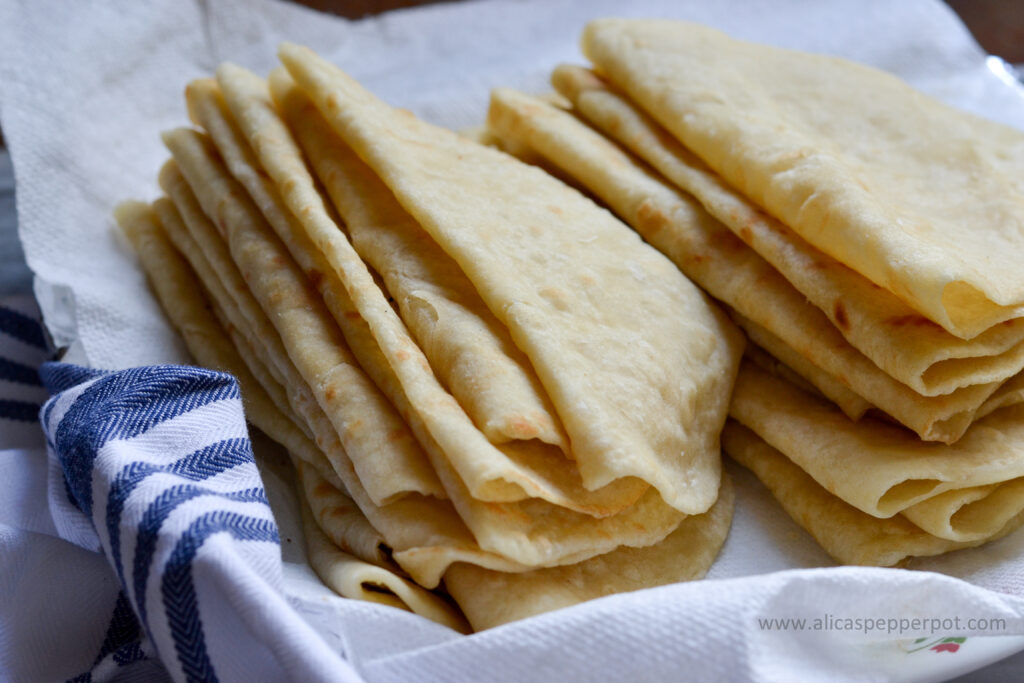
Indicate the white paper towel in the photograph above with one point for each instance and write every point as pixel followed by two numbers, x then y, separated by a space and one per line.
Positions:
pixel 85 89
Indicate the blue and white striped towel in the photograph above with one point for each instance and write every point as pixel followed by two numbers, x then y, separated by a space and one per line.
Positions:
pixel 153 468
pixel 23 349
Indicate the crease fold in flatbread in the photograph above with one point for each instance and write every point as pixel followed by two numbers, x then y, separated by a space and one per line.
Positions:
pixel 716 259
pixel 906 346
pixel 879 176
pixel 624 418
pixel 483 378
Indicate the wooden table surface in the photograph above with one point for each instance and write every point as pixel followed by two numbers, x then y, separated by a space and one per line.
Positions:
pixel 997 24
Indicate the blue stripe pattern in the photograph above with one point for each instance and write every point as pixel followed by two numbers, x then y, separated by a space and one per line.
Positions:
pixel 122 642
pixel 122 405
pixel 18 372
pixel 124 632
pixel 20 411
pixel 102 435
pixel 179 594
pixel 206 462
pixel 157 513
pixel 22 327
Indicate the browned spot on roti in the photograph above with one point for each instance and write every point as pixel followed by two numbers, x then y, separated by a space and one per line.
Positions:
pixel 839 315
pixel 911 320
pixel 352 315
pixel 332 104
pixel 523 429
pixel 724 239
pixel 650 218
pixel 330 393
pixel 397 434
pixel 316 278
pixel 746 234
pixel 323 489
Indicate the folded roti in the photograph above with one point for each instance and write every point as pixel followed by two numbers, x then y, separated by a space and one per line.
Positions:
pixel 906 346
pixel 389 460
pixel 188 309
pixel 878 467
pixel 925 201
pixel 522 470
pixel 715 258
pixel 358 579
pixel 632 355
pixel 426 533
pixel 849 535
pixel 466 345
pixel 489 598
pixel 970 514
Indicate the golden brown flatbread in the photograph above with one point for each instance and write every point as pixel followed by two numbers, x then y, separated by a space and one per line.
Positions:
pixel 623 363
pixel 879 176
pixel 714 257
pixel 901 342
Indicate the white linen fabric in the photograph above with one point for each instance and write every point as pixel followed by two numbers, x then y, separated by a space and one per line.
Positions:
pixel 85 89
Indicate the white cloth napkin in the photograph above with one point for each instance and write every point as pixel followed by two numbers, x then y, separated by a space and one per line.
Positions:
pixel 85 89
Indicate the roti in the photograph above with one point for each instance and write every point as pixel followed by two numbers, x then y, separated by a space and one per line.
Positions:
pixel 866 169
pixel 623 363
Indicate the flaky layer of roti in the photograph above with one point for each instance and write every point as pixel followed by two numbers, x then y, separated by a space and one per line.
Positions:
pixel 849 535
pixel 315 240
pixel 356 578
pixel 923 200
pixel 715 258
pixel 633 358
pixel 775 357
pixel 901 342
pixel 389 460
pixel 878 467
pixel 489 598
pixel 426 533
pixel 466 345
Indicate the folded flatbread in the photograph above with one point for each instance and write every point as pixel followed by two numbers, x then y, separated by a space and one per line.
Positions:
pixel 905 345
pixel 489 598
pixel 849 535
pixel 924 200
pixel 715 258
pixel 878 467
pixel 497 474
pixel 633 357
pixel 425 533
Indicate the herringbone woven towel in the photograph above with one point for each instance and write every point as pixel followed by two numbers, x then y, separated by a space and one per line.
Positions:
pixel 153 467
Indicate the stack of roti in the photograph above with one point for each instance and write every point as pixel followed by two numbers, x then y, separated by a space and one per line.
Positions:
pixel 867 238
pixel 493 391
